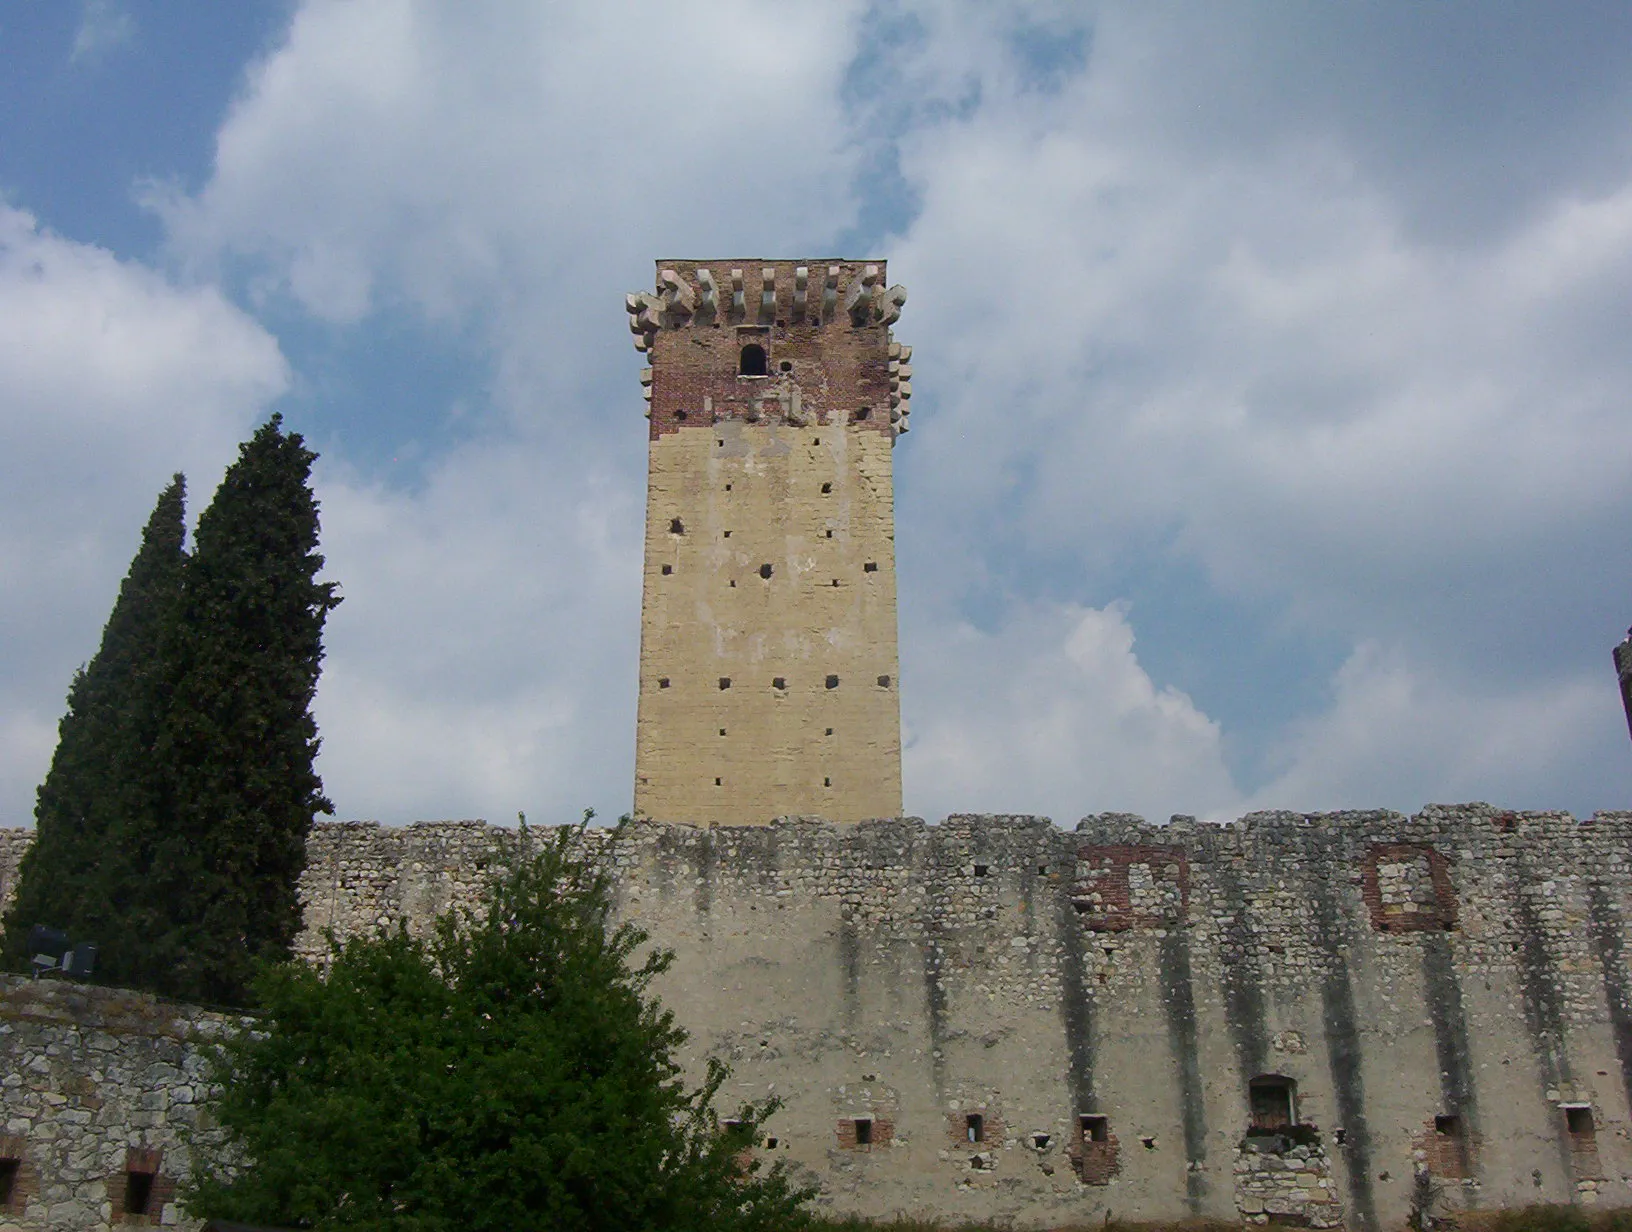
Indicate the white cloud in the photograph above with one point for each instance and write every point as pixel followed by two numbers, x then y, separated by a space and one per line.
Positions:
pixel 103 26
pixel 1398 734
pixel 1053 714
pixel 1216 328
pixel 111 379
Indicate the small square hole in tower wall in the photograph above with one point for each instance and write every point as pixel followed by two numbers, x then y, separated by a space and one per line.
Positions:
pixel 725 682
pixel 1577 1119
pixel 676 526
pixel 832 682
pixel 765 572
pixel 1095 1128
pixel 864 1131
pixel 667 569
pixel 826 488
pixel 870 567
pixel 662 682
pixel 883 682
pixel 779 682
pixel 865 412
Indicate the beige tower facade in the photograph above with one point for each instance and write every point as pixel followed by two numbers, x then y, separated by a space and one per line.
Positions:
pixel 769 680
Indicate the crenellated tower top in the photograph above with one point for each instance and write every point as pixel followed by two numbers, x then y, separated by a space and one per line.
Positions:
pixel 779 305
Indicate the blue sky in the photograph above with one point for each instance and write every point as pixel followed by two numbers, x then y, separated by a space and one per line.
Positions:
pixel 1271 446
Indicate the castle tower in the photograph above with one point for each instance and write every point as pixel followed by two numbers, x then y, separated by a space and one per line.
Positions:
pixel 768 669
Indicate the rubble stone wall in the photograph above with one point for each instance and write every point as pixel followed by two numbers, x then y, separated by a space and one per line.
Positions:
pixel 1446 993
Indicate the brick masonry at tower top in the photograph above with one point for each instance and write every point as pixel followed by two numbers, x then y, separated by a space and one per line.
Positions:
pixel 769 672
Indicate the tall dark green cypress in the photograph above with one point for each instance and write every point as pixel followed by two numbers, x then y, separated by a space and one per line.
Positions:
pixel 71 876
pixel 226 845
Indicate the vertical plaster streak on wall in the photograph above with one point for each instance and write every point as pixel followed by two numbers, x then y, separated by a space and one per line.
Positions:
pixel 1344 1050
pixel 1243 980
pixel 1076 1004
pixel 1543 1008
pixel 1443 991
pixel 1179 1004
pixel 1608 937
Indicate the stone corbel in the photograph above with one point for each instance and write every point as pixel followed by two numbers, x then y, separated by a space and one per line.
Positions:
pixel 709 307
pixel 860 302
pixel 739 303
pixel 767 296
pixel 645 317
pixel 679 300
pixel 830 294
pixel 801 279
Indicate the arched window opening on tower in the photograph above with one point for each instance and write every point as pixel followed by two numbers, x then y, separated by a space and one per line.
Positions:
pixel 752 362
pixel 1272 1102
pixel 676 526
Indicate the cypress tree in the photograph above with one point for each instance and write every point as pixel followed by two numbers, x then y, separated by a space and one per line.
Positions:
pixel 102 768
pixel 225 846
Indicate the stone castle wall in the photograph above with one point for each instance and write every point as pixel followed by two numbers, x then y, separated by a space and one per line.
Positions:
pixel 1290 1016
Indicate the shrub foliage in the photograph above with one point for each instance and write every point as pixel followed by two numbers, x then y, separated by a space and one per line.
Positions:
pixel 512 1070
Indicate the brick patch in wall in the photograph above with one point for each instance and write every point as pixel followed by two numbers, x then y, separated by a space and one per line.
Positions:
pixel 992 1128
pixel 881 1132
pixel 22 1181
pixel 1095 1160
pixel 1407 888
pixel 1127 886
pixel 1447 1149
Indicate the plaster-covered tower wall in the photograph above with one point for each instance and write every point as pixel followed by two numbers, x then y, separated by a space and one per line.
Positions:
pixel 768 665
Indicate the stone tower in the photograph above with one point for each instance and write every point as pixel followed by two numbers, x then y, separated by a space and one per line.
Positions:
pixel 768 669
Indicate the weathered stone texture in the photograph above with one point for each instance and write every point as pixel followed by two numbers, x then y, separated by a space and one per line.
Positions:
pixel 769 673
pixel 907 975
pixel 100 1086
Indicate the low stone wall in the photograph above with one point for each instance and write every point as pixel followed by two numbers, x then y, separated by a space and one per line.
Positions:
pixel 1445 994
pixel 101 1088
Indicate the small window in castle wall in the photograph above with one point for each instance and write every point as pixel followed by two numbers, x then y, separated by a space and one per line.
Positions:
pixel 138 1192
pixel 8 1181
pixel 1448 1126
pixel 826 488
pixel 1040 1142
pixel 718 783
pixel 662 682
pixel 982 869
pixel 830 731
pixel 725 682
pixel 832 682
pixel 676 526
pixel 765 572
pixel 883 682
pixel 974 1127
pixel 864 1131
pixel 865 412
pixel 680 415
pixel 1271 1100
pixel 752 361
pixel 830 534
pixel 827 782
pixel 1578 1120
pixel 779 682
pixel 667 569
pixel 786 365
pixel 870 567
pixel 1095 1128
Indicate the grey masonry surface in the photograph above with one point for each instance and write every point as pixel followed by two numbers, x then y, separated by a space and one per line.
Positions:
pixel 1466 964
